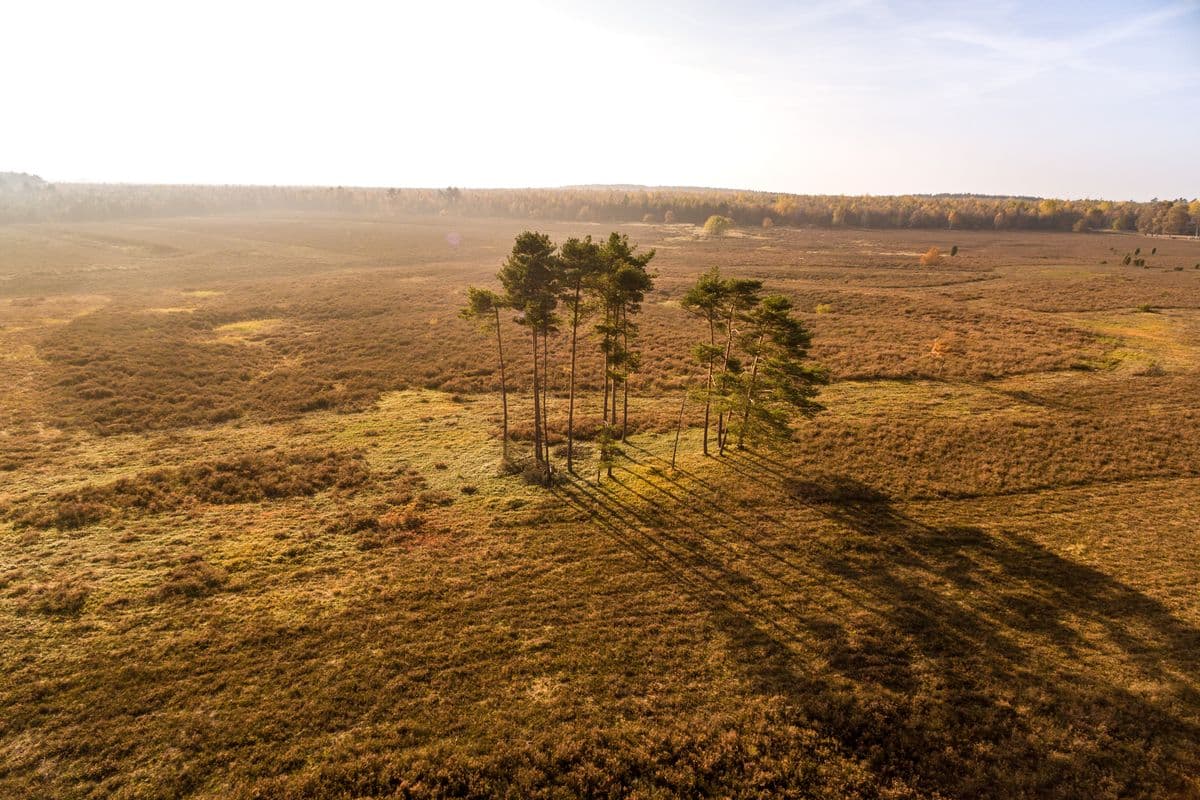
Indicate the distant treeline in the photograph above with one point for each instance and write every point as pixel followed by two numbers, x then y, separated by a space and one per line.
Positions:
pixel 25 198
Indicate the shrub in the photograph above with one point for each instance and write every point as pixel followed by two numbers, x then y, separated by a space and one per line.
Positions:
pixel 75 514
pixel 582 451
pixel 535 473
pixel 824 308
pixel 62 597
pixel 248 479
pixel 194 578
pixel 432 498
pixel 401 521
pixel 390 527
pixel 716 225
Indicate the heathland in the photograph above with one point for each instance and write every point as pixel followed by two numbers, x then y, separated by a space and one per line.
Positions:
pixel 256 541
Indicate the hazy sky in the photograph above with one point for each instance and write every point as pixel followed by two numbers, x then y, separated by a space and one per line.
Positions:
pixel 1096 99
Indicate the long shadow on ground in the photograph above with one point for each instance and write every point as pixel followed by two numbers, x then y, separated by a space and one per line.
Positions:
pixel 952 660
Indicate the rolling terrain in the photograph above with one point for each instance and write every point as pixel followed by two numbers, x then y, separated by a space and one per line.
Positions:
pixel 255 540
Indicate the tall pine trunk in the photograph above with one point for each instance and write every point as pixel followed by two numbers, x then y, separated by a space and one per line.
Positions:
pixel 537 410
pixel 679 427
pixel 616 371
pixel 545 392
pixel 721 433
pixel 571 390
pixel 606 342
pixel 503 387
pixel 616 368
pixel 749 397
pixel 712 342
pixel 625 377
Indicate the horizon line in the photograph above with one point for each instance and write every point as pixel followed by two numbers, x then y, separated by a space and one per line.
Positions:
pixel 579 187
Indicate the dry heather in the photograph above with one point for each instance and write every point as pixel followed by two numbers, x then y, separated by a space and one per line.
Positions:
pixel 256 542
pixel 248 479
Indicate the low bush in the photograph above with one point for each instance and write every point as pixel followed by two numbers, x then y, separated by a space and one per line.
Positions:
pixel 377 530
pixel 191 579
pixel 716 225
pixel 248 479
pixel 431 498
pixel 62 597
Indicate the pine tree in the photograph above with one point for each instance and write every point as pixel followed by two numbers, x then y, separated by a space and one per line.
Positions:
pixel 621 288
pixel 780 383
pixel 580 263
pixel 740 295
pixel 529 276
pixel 706 300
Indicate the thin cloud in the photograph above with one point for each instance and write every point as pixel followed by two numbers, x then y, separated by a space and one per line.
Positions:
pixel 1027 58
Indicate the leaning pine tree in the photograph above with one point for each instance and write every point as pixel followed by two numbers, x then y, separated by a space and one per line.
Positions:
pixel 484 307
pixel 780 382
pixel 739 296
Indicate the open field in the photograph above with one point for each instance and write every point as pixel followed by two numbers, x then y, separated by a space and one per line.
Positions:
pixel 254 540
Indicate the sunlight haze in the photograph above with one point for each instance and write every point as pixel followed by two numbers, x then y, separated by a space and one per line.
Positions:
pixel 1071 99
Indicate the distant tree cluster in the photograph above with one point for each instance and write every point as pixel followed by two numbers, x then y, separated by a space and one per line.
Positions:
pixel 758 378
pixel 606 280
pixel 753 352
pixel 25 198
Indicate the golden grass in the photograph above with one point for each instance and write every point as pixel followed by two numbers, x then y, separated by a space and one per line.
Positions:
pixel 948 585
pixel 727 610
pixel 1168 338
pixel 248 331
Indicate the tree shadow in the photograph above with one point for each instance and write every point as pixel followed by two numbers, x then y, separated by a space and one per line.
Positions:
pixel 952 659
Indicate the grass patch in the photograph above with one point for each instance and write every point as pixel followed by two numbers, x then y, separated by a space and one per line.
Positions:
pixel 249 479
pixel 192 579
pixel 973 576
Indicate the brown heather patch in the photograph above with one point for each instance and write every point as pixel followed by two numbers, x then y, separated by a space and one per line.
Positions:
pixel 63 596
pixel 925 440
pixel 949 585
pixel 248 479
pixel 289 343
pixel 193 578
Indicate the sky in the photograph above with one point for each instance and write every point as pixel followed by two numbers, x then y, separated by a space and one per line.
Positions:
pixel 1064 99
